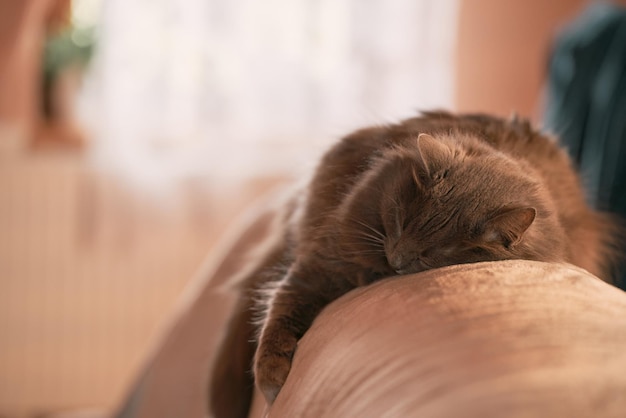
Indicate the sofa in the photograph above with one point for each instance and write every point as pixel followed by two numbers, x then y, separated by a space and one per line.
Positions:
pixel 504 339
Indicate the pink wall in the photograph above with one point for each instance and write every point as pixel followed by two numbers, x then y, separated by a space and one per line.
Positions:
pixel 502 50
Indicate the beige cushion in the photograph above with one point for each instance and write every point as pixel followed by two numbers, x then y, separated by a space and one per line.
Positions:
pixel 505 339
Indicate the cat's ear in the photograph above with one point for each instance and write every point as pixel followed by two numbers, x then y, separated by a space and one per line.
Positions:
pixel 432 153
pixel 508 226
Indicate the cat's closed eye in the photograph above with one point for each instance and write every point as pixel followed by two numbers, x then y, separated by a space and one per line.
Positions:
pixel 451 253
pixel 478 251
pixel 427 263
pixel 448 251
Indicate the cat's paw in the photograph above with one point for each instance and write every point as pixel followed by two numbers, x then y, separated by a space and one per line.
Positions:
pixel 270 375
pixel 272 364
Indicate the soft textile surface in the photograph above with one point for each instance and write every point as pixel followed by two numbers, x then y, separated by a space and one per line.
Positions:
pixel 505 339
pixel 510 338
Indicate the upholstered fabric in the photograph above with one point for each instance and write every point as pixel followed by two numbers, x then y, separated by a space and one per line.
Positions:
pixel 505 339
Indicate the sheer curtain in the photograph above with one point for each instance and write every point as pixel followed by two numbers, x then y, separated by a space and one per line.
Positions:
pixel 234 89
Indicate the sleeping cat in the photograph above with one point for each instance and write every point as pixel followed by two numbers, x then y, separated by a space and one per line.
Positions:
pixel 432 191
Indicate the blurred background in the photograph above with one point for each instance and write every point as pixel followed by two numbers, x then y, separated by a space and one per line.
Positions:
pixel 133 132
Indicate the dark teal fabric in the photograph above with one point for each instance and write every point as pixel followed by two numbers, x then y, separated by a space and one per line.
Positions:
pixel 586 103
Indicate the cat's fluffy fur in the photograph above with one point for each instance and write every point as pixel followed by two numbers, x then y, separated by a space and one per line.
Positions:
pixel 431 191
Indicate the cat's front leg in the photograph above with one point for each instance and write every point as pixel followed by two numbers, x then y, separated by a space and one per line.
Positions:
pixel 291 311
pixel 273 359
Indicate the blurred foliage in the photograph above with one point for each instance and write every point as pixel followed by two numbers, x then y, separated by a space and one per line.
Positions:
pixel 73 46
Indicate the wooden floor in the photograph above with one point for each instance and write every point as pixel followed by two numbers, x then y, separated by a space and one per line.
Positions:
pixel 88 271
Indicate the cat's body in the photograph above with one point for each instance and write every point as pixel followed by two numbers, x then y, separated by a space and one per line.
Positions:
pixel 432 191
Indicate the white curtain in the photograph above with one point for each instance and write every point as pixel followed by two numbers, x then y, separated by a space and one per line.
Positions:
pixel 237 88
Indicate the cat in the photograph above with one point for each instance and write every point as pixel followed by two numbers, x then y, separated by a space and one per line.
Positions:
pixel 435 190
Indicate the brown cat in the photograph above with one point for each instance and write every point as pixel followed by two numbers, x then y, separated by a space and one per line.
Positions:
pixel 432 191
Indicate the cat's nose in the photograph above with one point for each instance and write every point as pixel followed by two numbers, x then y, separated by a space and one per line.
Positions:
pixel 395 261
pixel 399 263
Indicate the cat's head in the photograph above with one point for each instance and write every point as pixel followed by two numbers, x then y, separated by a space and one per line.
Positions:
pixel 438 201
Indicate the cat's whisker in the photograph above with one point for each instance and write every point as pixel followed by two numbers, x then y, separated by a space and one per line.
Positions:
pixel 362 252
pixel 371 228
pixel 368 248
pixel 370 237
pixel 358 239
